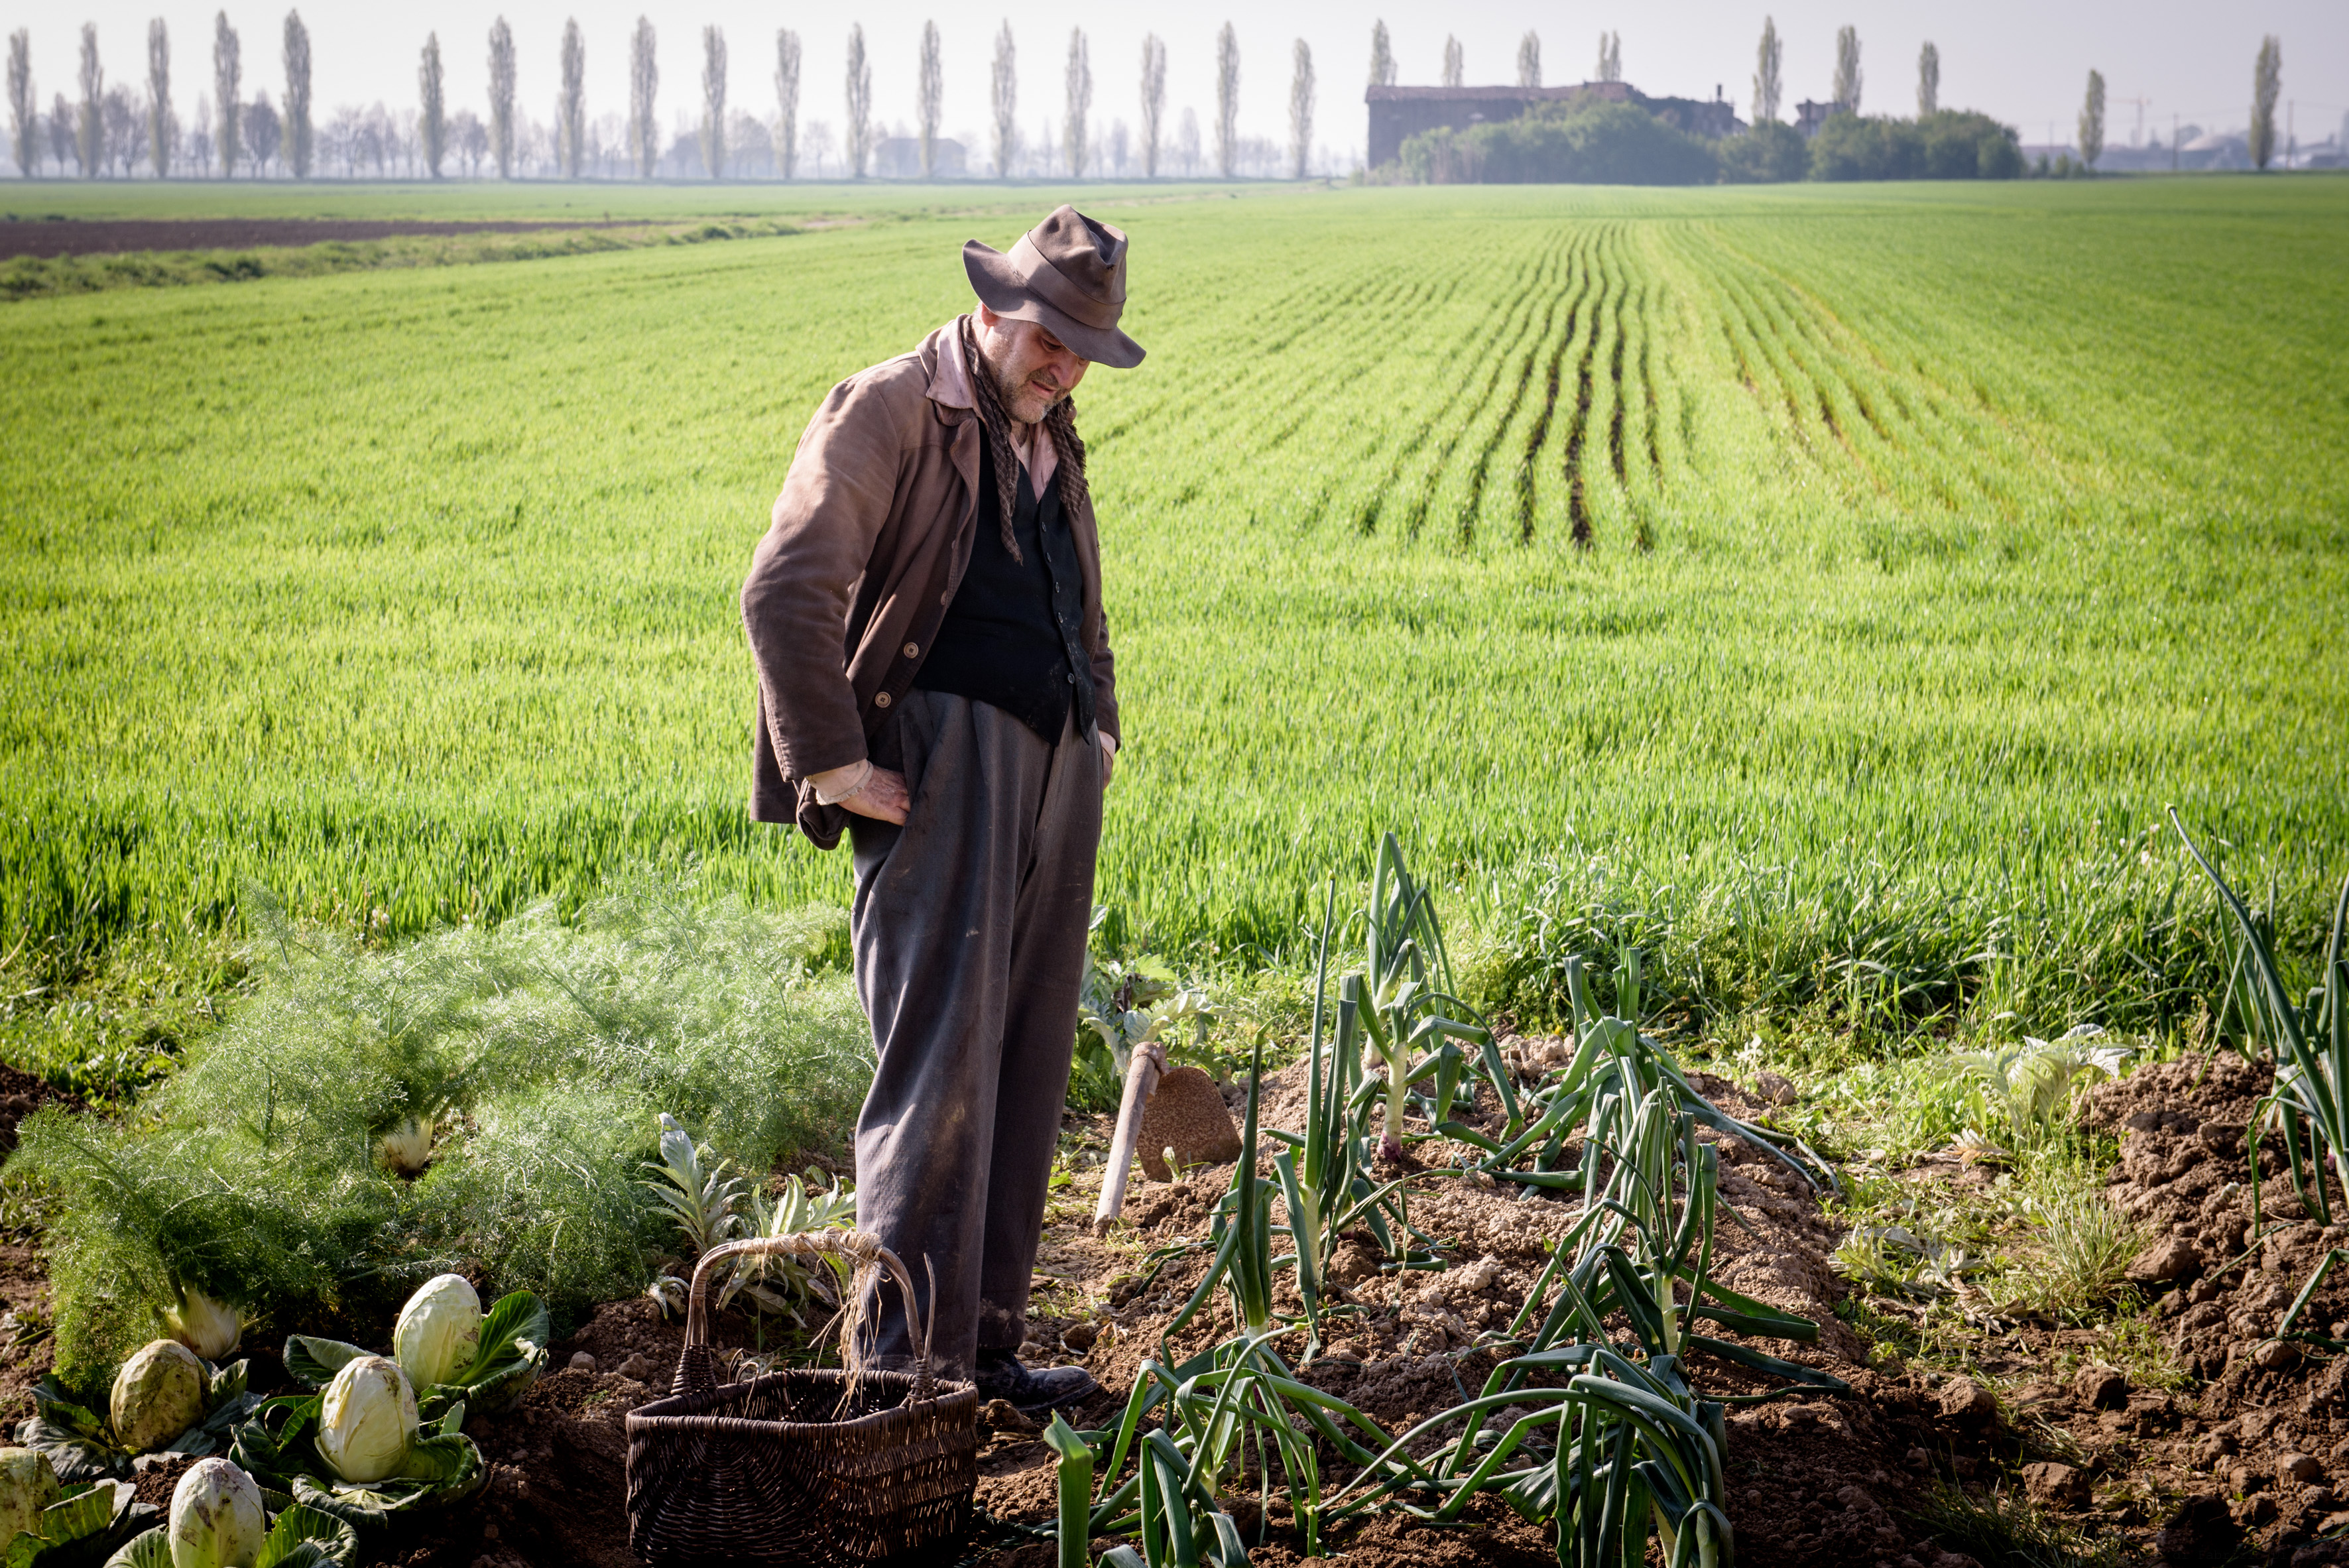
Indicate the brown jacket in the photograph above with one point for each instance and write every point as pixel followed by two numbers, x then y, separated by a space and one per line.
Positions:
pixel 869 541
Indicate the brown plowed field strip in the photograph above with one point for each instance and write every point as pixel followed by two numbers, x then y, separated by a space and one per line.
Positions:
pixel 98 236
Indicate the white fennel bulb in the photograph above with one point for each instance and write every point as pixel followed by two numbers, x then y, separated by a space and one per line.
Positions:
pixel 206 1327
pixel 157 1394
pixel 216 1518
pixel 407 1149
pixel 367 1420
pixel 438 1331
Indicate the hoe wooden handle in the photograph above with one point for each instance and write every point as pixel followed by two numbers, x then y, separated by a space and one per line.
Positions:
pixel 1142 1073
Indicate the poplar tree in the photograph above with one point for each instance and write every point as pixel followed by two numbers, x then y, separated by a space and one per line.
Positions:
pixel 1301 110
pixel 644 83
pixel 1383 60
pixel 1454 62
pixel 1003 90
pixel 1610 56
pixel 1081 102
pixel 1153 101
pixel 571 104
pixel 89 130
pixel 1228 98
pixel 24 104
pixel 1847 75
pixel 228 72
pixel 933 93
pixel 713 102
pixel 432 120
pixel 859 101
pixel 163 130
pixel 787 99
pixel 1766 61
pixel 1529 60
pixel 1929 80
pixel 2092 120
pixel 298 95
pixel 2267 85
pixel 501 97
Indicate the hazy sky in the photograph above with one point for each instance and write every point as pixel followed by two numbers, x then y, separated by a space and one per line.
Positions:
pixel 2025 63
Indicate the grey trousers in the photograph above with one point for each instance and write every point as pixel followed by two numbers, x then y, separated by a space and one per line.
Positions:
pixel 970 928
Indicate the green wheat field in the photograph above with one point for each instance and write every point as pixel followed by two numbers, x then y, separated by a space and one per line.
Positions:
pixel 1841 581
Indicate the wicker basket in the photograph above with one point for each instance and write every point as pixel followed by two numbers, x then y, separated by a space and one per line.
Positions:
pixel 805 1468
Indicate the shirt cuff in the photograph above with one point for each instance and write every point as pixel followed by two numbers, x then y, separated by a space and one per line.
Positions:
pixel 834 785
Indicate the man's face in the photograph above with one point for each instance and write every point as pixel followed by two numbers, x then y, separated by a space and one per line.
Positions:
pixel 1033 369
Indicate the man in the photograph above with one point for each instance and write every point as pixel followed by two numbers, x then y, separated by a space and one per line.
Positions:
pixel 937 531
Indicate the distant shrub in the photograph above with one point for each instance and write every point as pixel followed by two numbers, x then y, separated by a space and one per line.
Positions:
pixel 1578 143
pixel 1770 153
pixel 1954 144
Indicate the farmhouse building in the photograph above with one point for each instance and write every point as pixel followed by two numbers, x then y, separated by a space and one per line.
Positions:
pixel 1398 114
pixel 1809 116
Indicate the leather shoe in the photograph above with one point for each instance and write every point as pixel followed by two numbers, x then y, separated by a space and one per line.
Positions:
pixel 1032 1391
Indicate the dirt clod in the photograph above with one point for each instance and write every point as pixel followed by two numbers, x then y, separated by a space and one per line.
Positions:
pixel 2055 1485
pixel 2277 1355
pixel 1967 1401
pixel 2171 1259
pixel 1186 1113
pixel 2100 1388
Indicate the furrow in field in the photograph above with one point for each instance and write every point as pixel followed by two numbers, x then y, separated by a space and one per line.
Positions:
pixel 1578 502
pixel 1807 411
pixel 1537 438
pixel 1897 433
pixel 1651 309
pixel 1488 330
pixel 1509 325
pixel 1545 288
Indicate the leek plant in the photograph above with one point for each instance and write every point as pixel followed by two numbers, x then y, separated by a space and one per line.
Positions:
pixel 2307 1037
pixel 2308 1041
pixel 1623 1453
pixel 1406 992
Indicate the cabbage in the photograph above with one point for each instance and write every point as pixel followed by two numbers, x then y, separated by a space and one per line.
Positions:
pixel 216 1518
pixel 367 1421
pixel 157 1394
pixel 29 1483
pixel 206 1327
pixel 438 1331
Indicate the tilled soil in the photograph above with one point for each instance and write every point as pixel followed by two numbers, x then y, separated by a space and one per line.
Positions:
pixel 22 236
pixel 1816 1480
pixel 2239 1466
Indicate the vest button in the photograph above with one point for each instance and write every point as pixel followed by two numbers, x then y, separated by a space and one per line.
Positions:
pixel 913 649
pixel 881 699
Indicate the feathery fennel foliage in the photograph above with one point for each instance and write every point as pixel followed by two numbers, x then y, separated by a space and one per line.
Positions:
pixel 550 1051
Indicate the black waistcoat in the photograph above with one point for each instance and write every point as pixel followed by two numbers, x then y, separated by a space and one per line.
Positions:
pixel 1010 637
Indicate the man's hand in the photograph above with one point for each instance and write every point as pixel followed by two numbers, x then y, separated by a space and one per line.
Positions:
pixel 1108 758
pixel 884 797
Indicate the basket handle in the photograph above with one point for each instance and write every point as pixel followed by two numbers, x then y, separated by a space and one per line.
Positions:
pixel 694 1372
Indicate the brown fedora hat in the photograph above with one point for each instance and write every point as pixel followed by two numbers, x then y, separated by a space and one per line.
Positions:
pixel 1066 275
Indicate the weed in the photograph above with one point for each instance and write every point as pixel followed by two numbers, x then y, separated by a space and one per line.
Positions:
pixel 2003 1531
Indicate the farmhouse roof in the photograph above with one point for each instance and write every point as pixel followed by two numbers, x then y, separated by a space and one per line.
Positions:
pixel 1492 95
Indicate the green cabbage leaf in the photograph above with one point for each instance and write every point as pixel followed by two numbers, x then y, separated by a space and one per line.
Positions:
pixel 301 1537
pixel 279 1448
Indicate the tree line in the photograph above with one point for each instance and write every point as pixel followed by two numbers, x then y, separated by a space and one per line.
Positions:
pixel 120 130
pixel 1599 142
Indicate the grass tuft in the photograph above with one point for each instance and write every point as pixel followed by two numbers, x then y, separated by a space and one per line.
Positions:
pixel 2004 1531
